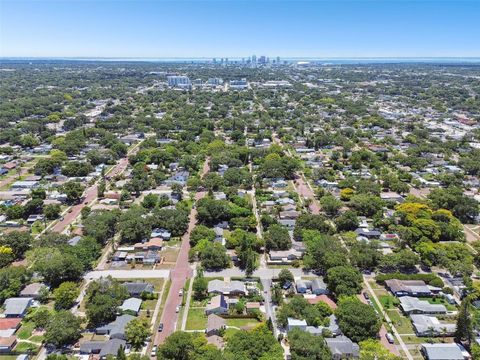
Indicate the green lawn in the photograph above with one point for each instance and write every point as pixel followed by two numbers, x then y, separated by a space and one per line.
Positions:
pixel 388 301
pixel 23 347
pixel 239 323
pixel 441 301
pixel 25 331
pixel 196 319
pixel 401 323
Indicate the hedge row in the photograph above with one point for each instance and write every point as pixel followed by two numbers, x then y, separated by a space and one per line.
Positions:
pixel 430 279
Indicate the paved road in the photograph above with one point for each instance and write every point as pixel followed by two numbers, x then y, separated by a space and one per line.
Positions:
pixel 128 274
pixel 179 274
pixel 261 273
pixel 383 331
pixel 387 318
pixel 305 191
pixel 269 309
pixel 89 196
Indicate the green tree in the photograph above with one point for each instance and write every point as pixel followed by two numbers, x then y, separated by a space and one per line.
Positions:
pixel 214 257
pixel 464 329
pixel 330 204
pixel 374 350
pixel 344 280
pixel 6 255
pixel 277 238
pixel 73 190
pixel 18 241
pixel 66 295
pixel 348 221
pixel 306 346
pixel 62 329
pixel 284 276
pixel 357 320
pixel 136 332
pixel 52 211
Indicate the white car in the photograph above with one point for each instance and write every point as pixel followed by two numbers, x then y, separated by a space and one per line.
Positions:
pixel 177 309
pixel 154 351
pixel 180 293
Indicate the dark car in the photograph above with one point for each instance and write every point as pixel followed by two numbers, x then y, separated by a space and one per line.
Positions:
pixel 160 327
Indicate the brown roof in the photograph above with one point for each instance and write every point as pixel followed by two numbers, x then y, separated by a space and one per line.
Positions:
pixel 10 165
pixel 31 289
pixel 9 323
pixel 8 341
pixel 215 340
pixel 252 305
pixel 215 322
pixel 152 242
pixel 325 299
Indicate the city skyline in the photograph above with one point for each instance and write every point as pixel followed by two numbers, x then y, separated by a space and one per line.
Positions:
pixel 207 29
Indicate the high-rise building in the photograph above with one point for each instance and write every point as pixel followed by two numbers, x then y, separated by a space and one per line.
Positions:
pixel 179 81
pixel 278 60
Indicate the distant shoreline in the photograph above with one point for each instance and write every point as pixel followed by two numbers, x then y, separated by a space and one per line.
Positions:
pixel 319 60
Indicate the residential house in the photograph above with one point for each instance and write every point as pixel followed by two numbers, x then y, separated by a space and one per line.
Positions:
pixel 7 344
pixel 154 244
pixel 102 348
pixel 215 325
pixel 410 288
pixel 33 290
pixel 131 306
pixel 342 347
pixel 431 326
pixel 319 287
pixel 412 305
pixel 217 305
pixel 161 233
pixel 115 329
pixel 332 328
pixel 296 323
pixel 9 326
pixel 74 240
pixel 302 286
pixel 233 288
pixel 284 256
pixel 444 351
pixel 138 288
pixel 16 307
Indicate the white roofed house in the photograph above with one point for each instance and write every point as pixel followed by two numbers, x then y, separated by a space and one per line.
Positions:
pixel 430 326
pixel 412 305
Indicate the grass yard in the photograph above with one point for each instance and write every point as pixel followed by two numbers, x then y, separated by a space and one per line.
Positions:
pixel 239 323
pixel 25 330
pixel 196 319
pixel 23 347
pixel 441 301
pixel 401 323
pixel 388 301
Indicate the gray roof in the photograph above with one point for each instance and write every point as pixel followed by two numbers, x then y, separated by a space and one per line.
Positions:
pixel 223 287
pixel 450 351
pixel 116 328
pixel 410 304
pixel 17 306
pixel 342 345
pixel 111 347
pixel 426 324
pixel 138 287
pixel 332 327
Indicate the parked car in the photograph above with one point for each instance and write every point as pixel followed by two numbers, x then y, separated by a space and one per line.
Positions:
pixel 160 327
pixel 180 293
pixel 154 351
pixel 365 295
pixel 177 309
pixel 390 338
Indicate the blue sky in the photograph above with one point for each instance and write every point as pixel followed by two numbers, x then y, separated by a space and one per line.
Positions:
pixel 230 28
